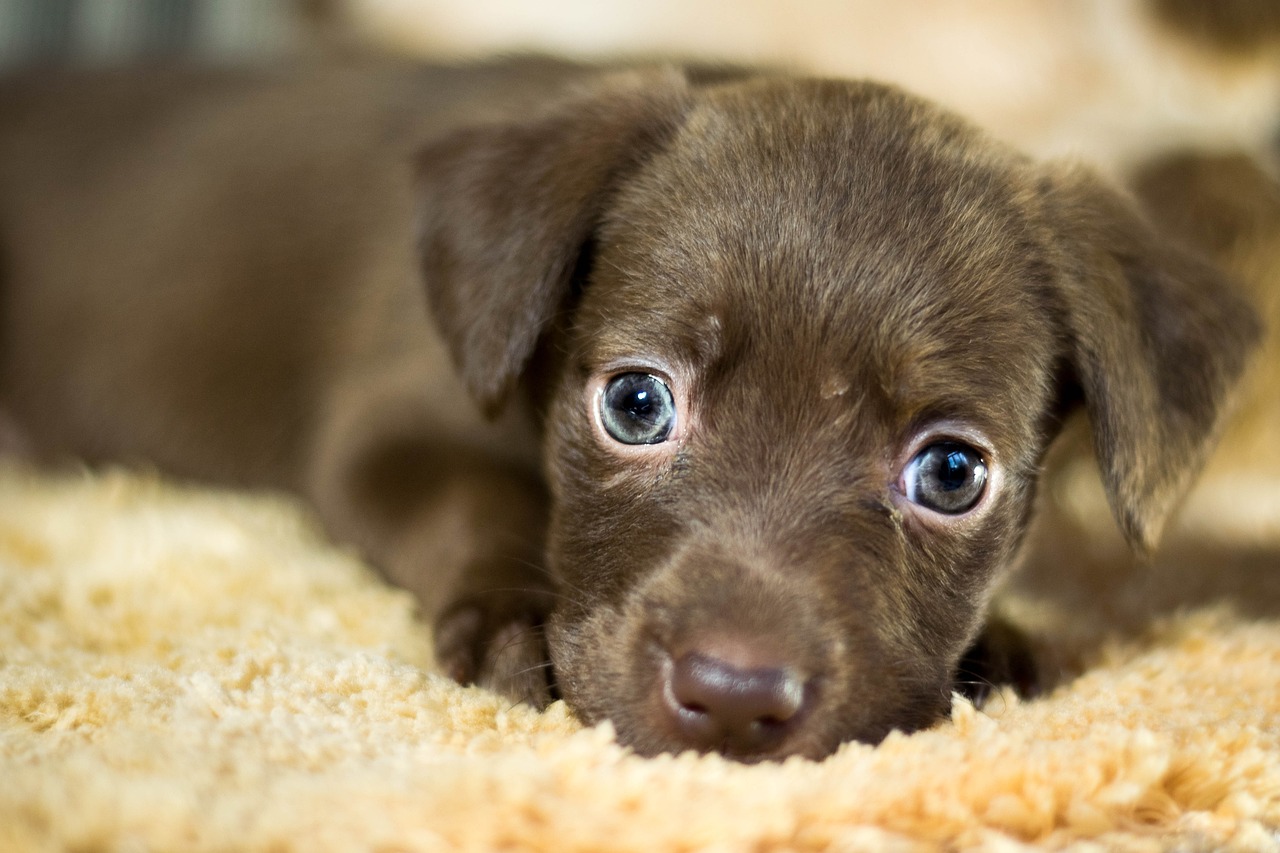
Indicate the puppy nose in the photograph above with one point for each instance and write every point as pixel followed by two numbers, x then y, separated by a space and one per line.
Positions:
pixel 740 710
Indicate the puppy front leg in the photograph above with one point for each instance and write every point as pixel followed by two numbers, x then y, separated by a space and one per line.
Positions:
pixel 473 557
pixel 465 536
pixel 1001 655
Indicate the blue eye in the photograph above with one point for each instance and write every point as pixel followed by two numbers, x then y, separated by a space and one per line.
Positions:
pixel 637 408
pixel 947 477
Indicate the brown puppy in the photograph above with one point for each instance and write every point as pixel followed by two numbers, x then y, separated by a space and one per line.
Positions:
pixel 773 363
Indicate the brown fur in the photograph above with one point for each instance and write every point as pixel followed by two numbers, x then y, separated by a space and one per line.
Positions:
pixel 219 274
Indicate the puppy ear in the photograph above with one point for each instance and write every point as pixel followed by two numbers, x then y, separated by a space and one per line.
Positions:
pixel 1158 339
pixel 505 210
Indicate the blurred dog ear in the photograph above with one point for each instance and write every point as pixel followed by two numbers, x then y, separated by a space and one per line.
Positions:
pixel 506 209
pixel 1158 339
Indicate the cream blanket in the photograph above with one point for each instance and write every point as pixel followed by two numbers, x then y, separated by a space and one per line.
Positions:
pixel 185 669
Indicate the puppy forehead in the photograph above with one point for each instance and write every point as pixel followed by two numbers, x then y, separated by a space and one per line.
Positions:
pixel 859 230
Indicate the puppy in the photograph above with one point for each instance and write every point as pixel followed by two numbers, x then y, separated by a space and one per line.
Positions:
pixel 724 394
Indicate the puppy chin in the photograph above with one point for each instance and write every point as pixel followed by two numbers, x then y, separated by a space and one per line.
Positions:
pixel 623 664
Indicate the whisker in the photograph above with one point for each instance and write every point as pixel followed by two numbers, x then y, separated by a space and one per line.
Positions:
pixel 519 639
pixel 545 665
pixel 547 573
pixel 535 591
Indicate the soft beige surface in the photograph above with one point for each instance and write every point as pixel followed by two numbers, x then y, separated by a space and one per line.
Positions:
pixel 184 669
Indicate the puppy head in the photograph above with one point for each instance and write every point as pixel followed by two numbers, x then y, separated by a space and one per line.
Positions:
pixel 807 372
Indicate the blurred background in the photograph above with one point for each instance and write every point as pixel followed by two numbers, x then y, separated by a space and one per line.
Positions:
pixel 111 31
pixel 1103 79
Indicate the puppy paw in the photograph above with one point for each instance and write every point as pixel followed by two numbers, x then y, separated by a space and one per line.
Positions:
pixel 496 643
pixel 1002 655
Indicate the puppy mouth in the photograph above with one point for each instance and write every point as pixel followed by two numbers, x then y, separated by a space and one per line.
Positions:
pixel 755 716
pixel 714 654
pixel 729 696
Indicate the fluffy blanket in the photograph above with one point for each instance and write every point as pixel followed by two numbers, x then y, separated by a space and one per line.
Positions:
pixel 185 669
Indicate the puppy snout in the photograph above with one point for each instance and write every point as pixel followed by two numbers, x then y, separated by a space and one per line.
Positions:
pixel 742 706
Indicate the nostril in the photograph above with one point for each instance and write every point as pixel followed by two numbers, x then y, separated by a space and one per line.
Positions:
pixel 743 710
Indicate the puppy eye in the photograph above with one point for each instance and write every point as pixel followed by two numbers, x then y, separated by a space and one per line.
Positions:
pixel 637 408
pixel 947 477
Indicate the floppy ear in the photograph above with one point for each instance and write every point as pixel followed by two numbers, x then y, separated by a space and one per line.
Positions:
pixel 1158 339
pixel 505 210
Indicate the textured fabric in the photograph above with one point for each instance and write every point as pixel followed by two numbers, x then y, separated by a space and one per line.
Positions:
pixel 199 670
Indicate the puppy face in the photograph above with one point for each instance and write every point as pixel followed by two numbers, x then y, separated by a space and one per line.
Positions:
pixel 815 354
pixel 846 364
